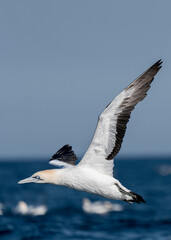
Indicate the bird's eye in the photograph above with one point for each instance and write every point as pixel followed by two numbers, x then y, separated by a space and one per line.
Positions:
pixel 37 177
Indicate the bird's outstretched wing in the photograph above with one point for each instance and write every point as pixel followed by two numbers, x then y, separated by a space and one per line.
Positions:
pixel 64 157
pixel 112 122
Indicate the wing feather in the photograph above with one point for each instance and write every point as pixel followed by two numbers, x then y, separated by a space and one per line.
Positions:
pixel 112 122
pixel 64 157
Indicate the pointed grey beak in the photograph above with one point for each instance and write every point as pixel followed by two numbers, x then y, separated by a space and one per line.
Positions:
pixel 28 180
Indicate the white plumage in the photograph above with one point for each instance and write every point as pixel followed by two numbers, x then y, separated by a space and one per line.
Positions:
pixel 94 173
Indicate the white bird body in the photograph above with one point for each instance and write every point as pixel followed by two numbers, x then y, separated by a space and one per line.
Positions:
pixel 100 207
pixel 25 209
pixel 89 180
pixel 94 173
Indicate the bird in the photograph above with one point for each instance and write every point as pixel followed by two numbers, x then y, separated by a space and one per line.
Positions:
pixel 100 207
pixel 94 172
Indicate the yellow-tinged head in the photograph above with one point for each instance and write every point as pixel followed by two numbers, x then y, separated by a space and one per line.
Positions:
pixel 46 176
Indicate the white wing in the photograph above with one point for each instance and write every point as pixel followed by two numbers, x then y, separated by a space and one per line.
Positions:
pixel 112 122
pixel 58 163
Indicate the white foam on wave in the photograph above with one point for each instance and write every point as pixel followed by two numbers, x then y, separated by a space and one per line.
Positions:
pixel 100 207
pixel 165 170
pixel 1 208
pixel 24 209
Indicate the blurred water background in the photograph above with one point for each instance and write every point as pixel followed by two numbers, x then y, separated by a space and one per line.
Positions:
pixel 43 211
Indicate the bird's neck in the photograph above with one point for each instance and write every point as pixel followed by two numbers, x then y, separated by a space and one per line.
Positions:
pixel 51 176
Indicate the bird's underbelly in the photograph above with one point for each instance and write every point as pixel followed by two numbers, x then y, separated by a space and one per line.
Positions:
pixel 95 183
pixel 107 191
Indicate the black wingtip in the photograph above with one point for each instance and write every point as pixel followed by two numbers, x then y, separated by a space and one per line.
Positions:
pixel 157 65
pixel 65 154
pixel 64 150
pixel 136 198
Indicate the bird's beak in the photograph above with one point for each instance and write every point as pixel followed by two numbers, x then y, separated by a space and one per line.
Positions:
pixel 27 180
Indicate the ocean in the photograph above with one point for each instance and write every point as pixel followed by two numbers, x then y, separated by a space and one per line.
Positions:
pixel 49 212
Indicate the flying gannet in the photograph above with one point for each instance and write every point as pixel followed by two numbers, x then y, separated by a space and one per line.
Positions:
pixel 94 173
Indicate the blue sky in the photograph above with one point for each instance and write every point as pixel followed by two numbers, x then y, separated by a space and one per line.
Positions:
pixel 62 62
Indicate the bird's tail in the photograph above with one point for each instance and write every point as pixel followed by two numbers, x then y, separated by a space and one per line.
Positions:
pixel 129 196
pixel 135 198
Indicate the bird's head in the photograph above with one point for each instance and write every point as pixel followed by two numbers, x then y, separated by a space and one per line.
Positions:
pixel 46 176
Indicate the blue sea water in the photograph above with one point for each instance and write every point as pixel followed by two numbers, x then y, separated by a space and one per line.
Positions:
pixel 65 218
